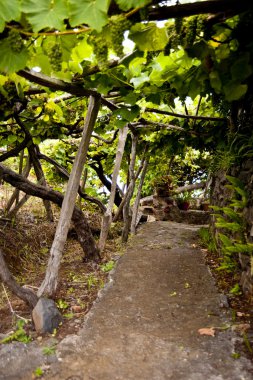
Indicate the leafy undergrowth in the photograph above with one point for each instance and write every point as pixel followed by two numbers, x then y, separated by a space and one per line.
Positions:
pixel 26 244
pixel 228 283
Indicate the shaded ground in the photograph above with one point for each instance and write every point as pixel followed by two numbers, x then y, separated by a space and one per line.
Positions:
pixel 26 244
pixel 145 325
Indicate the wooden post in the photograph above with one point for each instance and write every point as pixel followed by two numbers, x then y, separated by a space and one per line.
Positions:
pixel 127 212
pixel 49 285
pixel 107 219
pixel 138 197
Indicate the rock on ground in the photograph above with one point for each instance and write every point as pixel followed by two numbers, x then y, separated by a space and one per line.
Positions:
pixel 46 316
pixel 18 360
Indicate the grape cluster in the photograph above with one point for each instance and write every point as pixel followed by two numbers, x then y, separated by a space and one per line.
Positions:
pixel 15 41
pixel 10 89
pixel 173 41
pixel 178 25
pixel 55 56
pixel 8 96
pixel 3 106
pixel 191 31
pixel 118 25
pixel 100 49
pixel 70 115
pixel 203 29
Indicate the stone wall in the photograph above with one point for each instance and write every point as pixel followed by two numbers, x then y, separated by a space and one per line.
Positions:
pixel 165 208
pixel 221 195
pixel 246 176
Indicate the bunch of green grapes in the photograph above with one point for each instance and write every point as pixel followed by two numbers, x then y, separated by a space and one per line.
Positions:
pixel 173 41
pixel 15 41
pixel 168 98
pixel 200 25
pixel 8 96
pixel 55 56
pixel 118 25
pixel 100 49
pixel 9 88
pixel 191 31
pixel 3 106
pixel 178 25
pixel 203 29
pixel 70 115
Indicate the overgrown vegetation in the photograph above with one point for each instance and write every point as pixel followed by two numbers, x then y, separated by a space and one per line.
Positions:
pixel 141 100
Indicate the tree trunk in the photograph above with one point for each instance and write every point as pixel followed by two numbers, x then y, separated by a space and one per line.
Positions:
pixel 192 187
pixel 138 197
pixel 100 173
pixel 107 219
pixel 26 295
pixel 84 234
pixel 127 213
pixel 25 173
pixel 20 169
pixel 122 204
pixel 65 174
pixel 82 185
pixel 49 285
pixel 18 206
pixel 41 179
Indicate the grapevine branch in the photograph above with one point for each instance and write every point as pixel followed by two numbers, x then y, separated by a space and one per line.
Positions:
pixel 206 118
pixel 65 174
pixel 60 85
pixel 15 151
pixel 230 7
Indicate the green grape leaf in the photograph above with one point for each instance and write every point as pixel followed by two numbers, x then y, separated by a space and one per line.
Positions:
pixel 154 98
pixel 128 113
pixel 9 10
pixel 215 80
pixel 119 123
pixel 67 44
pixel 36 140
pixel 12 139
pixel 93 13
pixel 45 13
pixel 11 61
pixel 131 98
pixel 125 5
pixel 149 37
pixel 241 69
pixel 234 90
pixel 140 80
pixel 81 51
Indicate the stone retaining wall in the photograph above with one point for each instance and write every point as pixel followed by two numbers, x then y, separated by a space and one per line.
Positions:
pixel 220 197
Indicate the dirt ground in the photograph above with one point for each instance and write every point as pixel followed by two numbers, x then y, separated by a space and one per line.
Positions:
pixel 160 317
pixel 26 243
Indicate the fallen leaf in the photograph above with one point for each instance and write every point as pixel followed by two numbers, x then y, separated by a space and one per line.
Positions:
pixel 239 314
pixel 173 294
pixel 76 308
pixel 187 285
pixel 207 331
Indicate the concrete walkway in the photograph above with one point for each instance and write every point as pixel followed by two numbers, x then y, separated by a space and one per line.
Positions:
pixel 145 325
